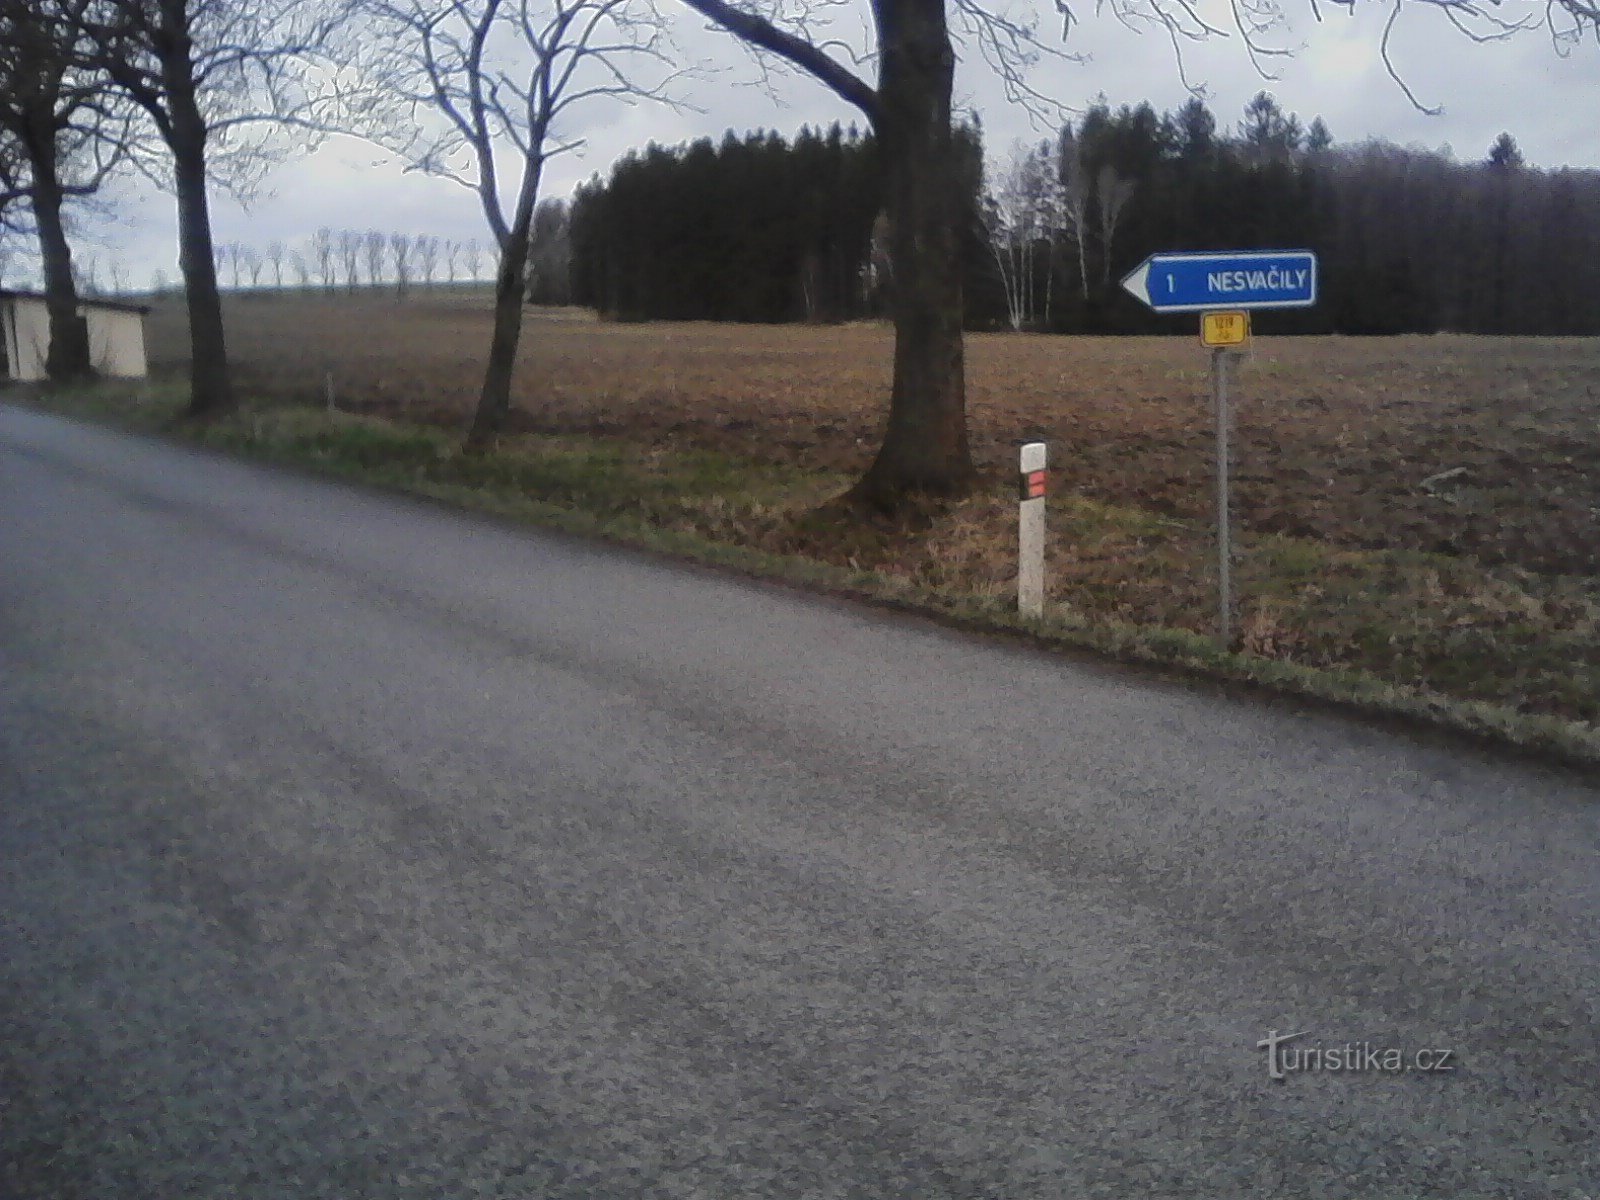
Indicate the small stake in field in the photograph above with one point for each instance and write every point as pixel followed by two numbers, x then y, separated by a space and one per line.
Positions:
pixel 1031 487
pixel 1223 286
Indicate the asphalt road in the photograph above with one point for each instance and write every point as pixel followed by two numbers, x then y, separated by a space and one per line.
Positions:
pixel 351 847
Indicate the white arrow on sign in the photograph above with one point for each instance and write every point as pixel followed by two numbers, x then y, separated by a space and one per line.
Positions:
pixel 1137 282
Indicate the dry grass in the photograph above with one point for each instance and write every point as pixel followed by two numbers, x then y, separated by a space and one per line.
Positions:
pixel 1334 436
pixel 1483 588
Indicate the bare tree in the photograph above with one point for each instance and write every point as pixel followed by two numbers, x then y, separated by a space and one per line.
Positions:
pixel 119 277
pixel 350 257
pixel 550 256
pixel 67 135
pixel 234 253
pixel 400 256
pixel 276 253
pixel 877 276
pixel 376 248
pixel 13 188
pixel 322 253
pixel 204 72
pixel 427 254
pixel 925 446
pixel 88 281
pixel 474 259
pixel 255 264
pixel 488 75
pixel 1112 193
pixel 1074 177
pixel 302 269
pixel 1021 219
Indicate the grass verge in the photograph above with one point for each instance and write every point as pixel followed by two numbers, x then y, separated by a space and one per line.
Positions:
pixel 1502 654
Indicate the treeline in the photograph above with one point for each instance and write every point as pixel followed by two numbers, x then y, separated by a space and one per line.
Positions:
pixel 758 228
pixel 352 258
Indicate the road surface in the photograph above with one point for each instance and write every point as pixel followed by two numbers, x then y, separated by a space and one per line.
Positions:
pixel 356 848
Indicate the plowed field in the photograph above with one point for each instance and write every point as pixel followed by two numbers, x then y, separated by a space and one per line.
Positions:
pixel 1334 436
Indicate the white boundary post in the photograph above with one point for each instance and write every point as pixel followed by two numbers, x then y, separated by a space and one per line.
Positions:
pixel 1031 488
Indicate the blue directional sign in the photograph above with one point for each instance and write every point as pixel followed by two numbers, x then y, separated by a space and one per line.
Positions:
pixel 1225 279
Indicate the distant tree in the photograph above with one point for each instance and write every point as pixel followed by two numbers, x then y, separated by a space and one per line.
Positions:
pixel 452 255
pixel 1075 197
pixel 550 254
pixel 302 269
pixel 88 276
pixel 376 248
pixel 878 275
pixel 255 264
pixel 1022 217
pixel 349 245
pixel 159 283
pixel 400 256
pixel 234 253
pixel 277 252
pixel 426 252
pixel 474 259
pixel 323 254
pixel 1505 166
pixel 1267 133
pixel 1196 130
pixel 1505 154
pixel 1112 194
pixel 1318 139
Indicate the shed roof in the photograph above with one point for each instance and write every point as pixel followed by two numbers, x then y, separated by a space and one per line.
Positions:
pixel 83 301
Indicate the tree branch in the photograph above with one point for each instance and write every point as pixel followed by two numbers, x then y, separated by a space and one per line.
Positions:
pixel 760 32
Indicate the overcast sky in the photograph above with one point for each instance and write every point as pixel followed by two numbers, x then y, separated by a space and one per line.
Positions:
pixel 1550 104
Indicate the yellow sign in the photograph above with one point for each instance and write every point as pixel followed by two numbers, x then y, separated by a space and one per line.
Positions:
pixel 1224 328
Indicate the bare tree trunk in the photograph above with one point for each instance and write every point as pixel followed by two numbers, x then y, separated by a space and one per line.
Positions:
pixel 210 388
pixel 68 359
pixel 510 290
pixel 1049 277
pixel 925 448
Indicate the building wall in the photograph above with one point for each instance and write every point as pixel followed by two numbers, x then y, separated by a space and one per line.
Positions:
pixel 116 339
pixel 116 342
pixel 27 329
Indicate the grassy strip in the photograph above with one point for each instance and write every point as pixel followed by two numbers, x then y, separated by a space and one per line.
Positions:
pixel 1507 654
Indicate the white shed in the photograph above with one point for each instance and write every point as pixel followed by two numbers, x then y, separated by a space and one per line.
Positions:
pixel 116 336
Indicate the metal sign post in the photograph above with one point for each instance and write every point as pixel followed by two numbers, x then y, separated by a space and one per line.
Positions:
pixel 1219 393
pixel 1223 287
pixel 1223 333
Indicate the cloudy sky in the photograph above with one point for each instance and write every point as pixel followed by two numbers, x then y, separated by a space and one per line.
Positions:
pixel 1549 103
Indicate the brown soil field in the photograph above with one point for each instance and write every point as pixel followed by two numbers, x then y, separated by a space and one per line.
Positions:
pixel 1333 436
